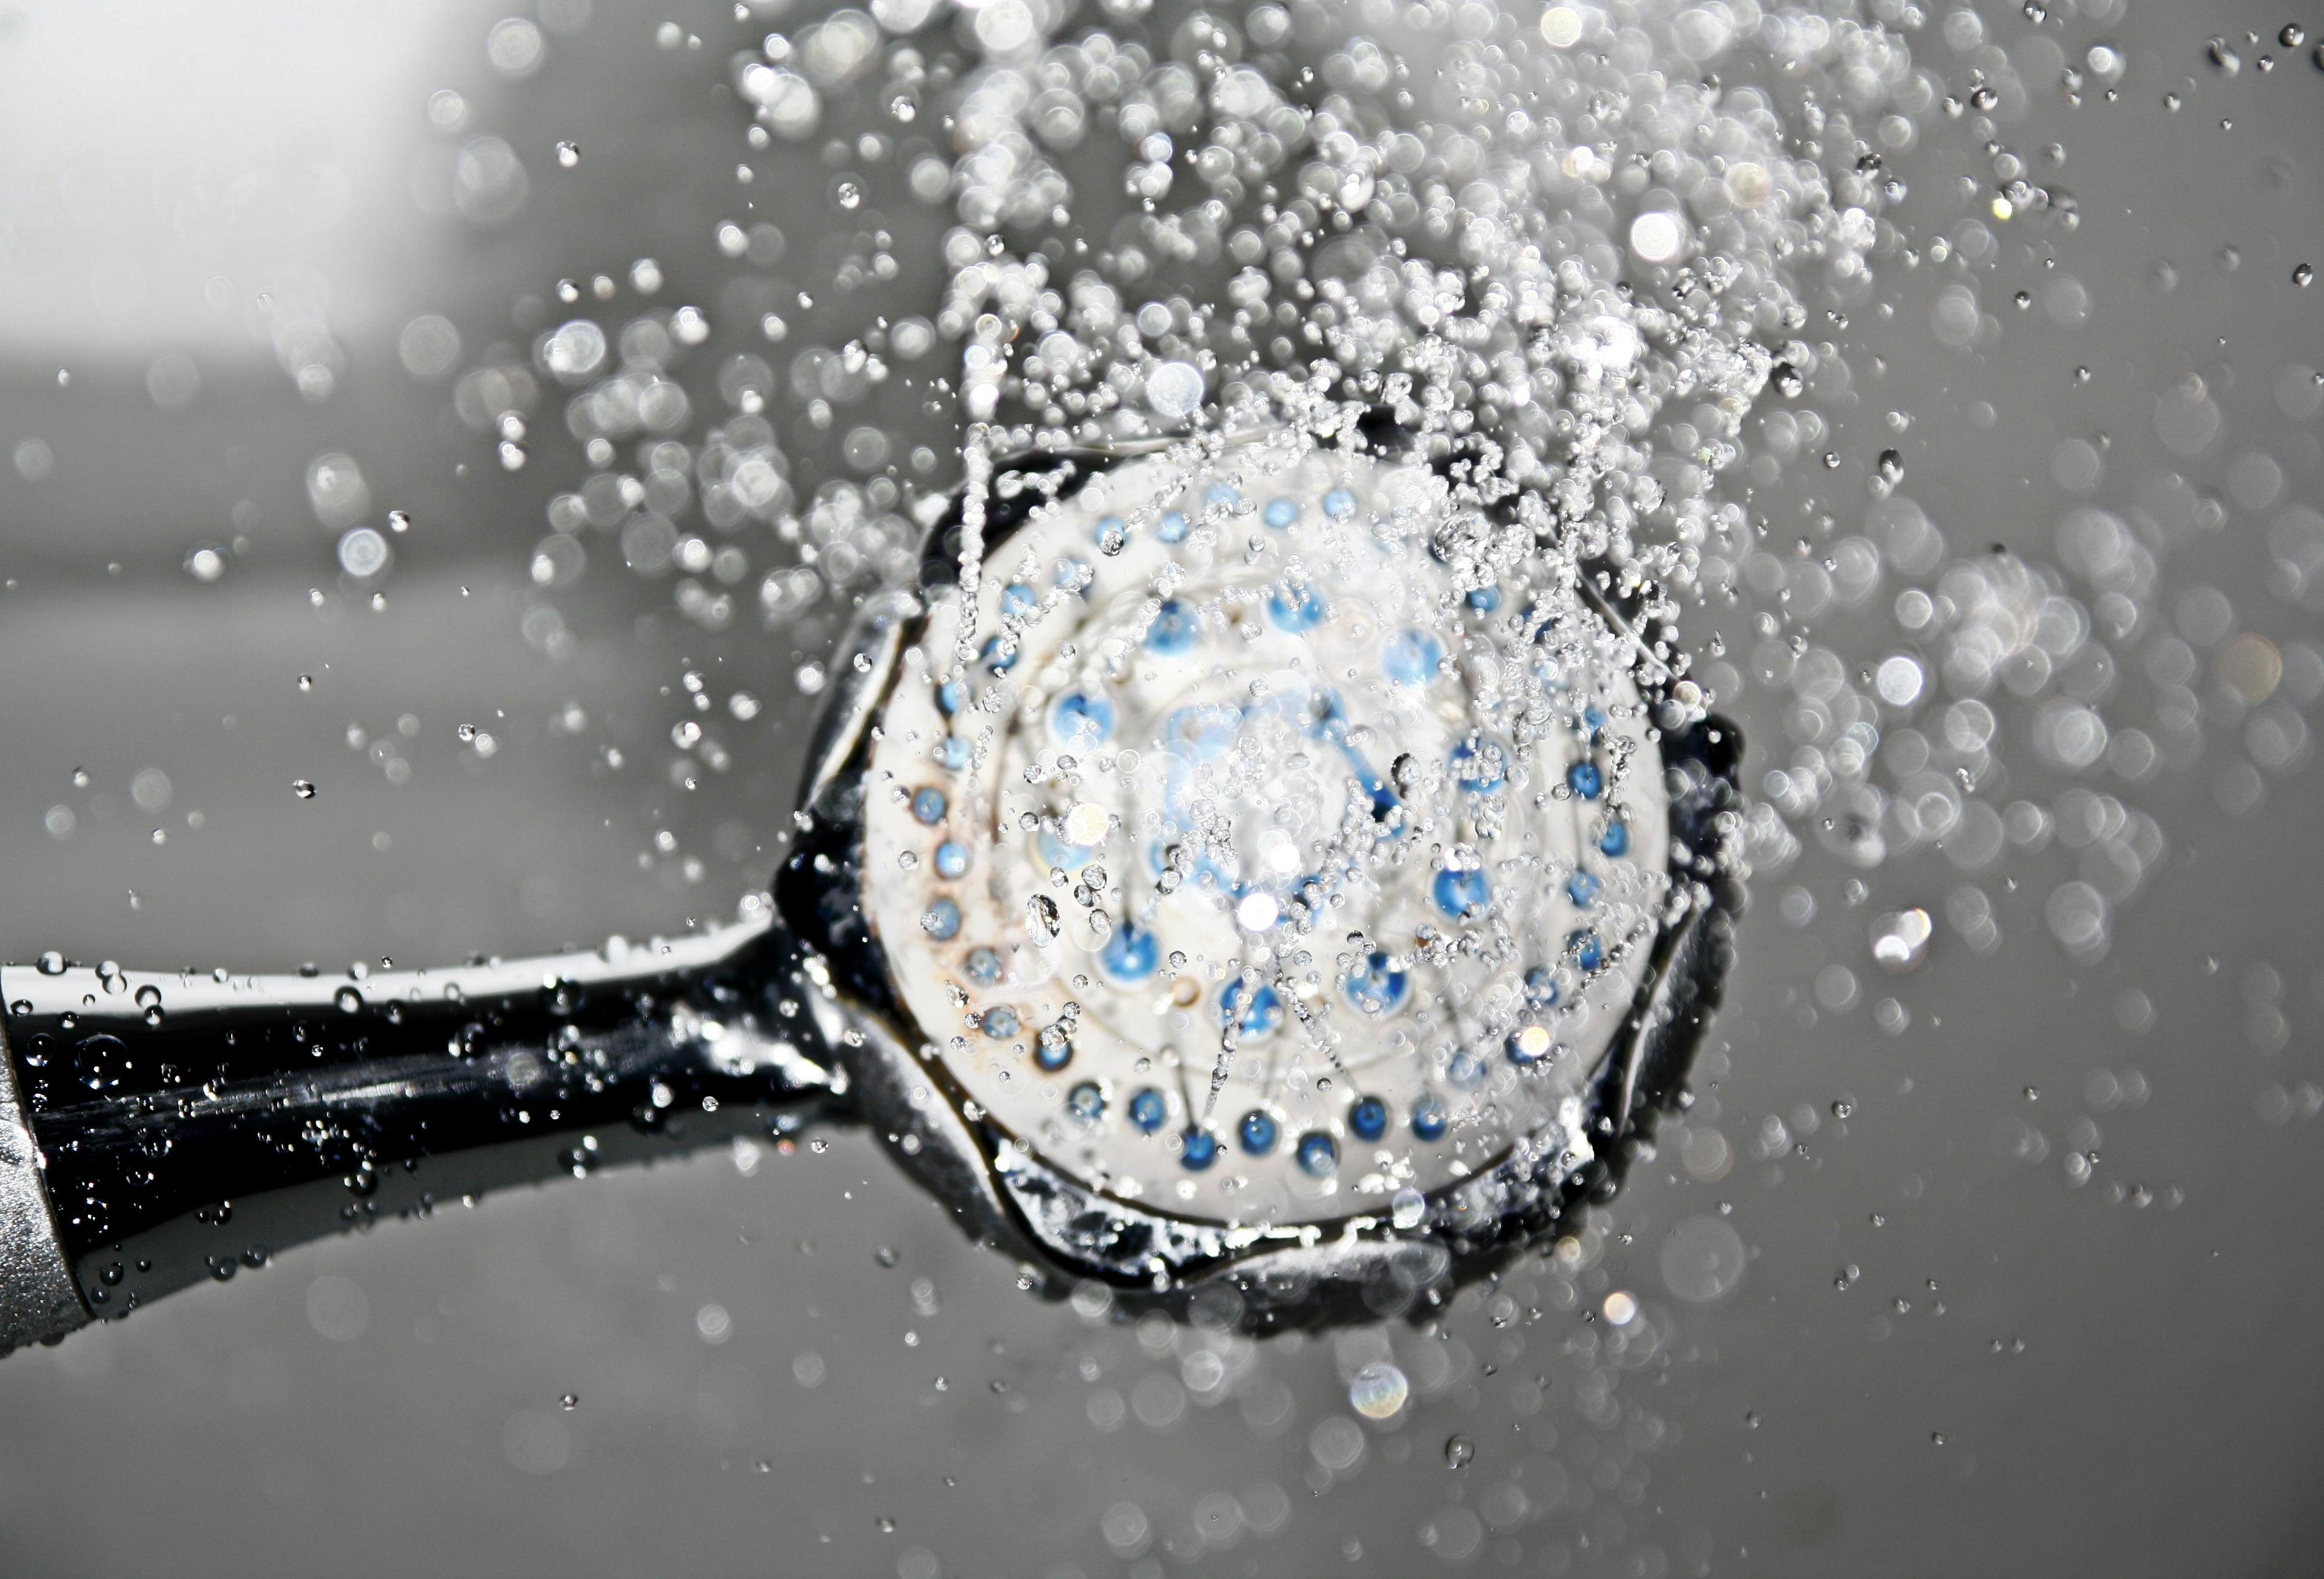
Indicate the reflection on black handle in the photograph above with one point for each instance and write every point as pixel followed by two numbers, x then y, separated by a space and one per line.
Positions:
pixel 191 1124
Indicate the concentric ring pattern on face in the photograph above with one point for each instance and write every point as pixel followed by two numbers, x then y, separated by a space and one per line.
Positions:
pixel 1249 869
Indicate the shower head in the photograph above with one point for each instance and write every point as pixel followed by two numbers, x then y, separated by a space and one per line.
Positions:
pixel 1264 868
pixel 1218 876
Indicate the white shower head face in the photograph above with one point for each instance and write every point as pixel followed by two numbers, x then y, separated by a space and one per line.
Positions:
pixel 1243 864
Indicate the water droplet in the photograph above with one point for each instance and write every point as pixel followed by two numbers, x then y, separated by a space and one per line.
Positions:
pixel 1406 1208
pixel 1658 236
pixel 568 154
pixel 1900 938
pixel 363 553
pixel 1457 1452
pixel 303 789
pixel 571 1400
pixel 1174 390
pixel 1378 1391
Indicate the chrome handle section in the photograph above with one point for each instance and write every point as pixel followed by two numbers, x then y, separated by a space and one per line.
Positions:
pixel 187 1124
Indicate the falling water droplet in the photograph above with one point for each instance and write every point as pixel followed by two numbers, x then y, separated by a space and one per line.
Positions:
pixel 1174 390
pixel 1900 938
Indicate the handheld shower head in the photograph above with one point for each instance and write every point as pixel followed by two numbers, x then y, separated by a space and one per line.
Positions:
pixel 1218 878
pixel 1255 868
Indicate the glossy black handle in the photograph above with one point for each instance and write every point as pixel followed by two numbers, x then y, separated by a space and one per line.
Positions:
pixel 190 1124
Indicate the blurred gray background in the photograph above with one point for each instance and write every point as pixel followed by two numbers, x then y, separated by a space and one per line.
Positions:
pixel 1949 1351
